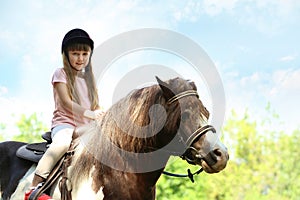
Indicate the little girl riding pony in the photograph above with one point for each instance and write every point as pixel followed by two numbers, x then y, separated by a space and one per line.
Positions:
pixel 76 101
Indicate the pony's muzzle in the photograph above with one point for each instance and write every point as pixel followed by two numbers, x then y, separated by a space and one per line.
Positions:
pixel 215 160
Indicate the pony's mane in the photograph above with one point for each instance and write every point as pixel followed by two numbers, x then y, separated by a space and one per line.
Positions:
pixel 125 123
pixel 128 124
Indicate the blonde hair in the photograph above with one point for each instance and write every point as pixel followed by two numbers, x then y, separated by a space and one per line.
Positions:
pixel 88 76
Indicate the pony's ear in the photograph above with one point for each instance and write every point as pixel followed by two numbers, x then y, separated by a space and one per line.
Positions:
pixel 167 92
pixel 193 85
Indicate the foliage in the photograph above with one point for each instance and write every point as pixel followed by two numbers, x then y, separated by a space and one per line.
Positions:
pixel 2 128
pixel 264 164
pixel 30 128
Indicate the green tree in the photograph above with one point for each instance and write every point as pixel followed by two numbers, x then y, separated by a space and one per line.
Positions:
pixel 30 128
pixel 175 188
pixel 2 128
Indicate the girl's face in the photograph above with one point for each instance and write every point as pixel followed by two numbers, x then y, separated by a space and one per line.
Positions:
pixel 79 59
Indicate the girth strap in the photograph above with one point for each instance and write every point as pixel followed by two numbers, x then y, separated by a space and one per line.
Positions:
pixel 65 186
pixel 60 170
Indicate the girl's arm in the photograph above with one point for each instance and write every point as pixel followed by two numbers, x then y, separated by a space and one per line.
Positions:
pixel 66 101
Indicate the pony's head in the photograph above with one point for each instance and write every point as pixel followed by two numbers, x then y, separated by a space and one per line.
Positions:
pixel 194 140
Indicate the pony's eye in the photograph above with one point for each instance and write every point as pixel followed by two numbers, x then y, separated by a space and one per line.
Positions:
pixel 185 116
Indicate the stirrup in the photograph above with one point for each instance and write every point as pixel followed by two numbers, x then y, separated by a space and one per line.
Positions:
pixel 35 193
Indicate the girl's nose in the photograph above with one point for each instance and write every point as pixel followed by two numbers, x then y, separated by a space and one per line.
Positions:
pixel 80 57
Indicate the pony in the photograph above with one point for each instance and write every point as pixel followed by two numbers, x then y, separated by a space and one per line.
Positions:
pixel 122 154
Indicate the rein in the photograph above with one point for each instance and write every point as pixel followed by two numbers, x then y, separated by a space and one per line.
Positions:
pixel 189 174
pixel 197 133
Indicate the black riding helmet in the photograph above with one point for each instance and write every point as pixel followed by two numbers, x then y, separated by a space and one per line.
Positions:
pixel 76 35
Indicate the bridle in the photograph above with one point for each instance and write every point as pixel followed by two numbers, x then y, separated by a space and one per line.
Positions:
pixel 190 140
pixel 181 95
pixel 201 130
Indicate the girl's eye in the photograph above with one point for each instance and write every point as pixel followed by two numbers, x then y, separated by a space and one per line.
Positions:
pixel 74 53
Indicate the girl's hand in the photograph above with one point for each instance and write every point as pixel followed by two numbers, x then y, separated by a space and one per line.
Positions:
pixel 89 114
pixel 93 114
pixel 98 113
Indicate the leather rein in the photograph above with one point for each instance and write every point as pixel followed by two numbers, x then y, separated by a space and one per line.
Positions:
pixel 196 134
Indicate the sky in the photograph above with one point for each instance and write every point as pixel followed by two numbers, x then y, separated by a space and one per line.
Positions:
pixel 254 45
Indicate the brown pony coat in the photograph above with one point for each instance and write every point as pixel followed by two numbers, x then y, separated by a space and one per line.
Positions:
pixel 127 125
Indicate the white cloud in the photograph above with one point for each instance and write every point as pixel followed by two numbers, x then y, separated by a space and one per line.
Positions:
pixel 192 10
pixel 13 41
pixel 215 7
pixel 281 88
pixel 3 90
pixel 287 58
pixel 188 10
pixel 269 17
pixel 251 80
pixel 286 81
pixel 285 95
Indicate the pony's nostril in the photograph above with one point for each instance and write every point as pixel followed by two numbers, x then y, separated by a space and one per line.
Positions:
pixel 217 152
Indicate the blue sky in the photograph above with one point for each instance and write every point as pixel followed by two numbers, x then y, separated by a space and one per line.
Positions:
pixel 254 44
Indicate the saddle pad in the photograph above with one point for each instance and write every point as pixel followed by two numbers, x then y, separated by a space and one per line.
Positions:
pixel 37 146
pixel 32 152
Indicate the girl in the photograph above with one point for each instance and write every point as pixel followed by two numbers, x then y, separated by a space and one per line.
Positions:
pixel 76 101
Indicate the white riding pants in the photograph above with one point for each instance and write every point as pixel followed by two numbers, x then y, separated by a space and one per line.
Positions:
pixel 61 140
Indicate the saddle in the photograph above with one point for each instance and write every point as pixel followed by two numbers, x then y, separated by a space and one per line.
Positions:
pixel 34 151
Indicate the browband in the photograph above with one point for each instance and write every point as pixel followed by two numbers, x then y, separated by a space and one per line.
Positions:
pixel 181 95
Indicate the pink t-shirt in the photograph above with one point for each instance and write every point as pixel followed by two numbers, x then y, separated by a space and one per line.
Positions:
pixel 62 115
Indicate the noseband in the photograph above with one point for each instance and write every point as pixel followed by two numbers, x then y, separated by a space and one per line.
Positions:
pixel 197 134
